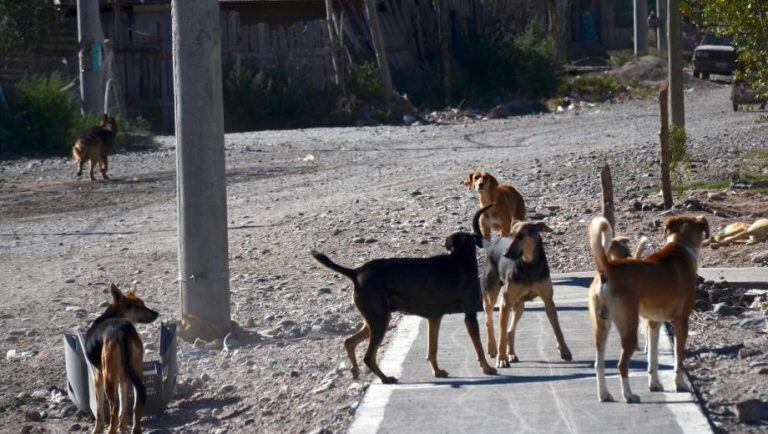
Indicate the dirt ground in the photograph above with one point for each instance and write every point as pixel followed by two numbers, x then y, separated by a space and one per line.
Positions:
pixel 353 193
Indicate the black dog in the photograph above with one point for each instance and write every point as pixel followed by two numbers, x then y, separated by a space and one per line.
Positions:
pixel 517 263
pixel 427 287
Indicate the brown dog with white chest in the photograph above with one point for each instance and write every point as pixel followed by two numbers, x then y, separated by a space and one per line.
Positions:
pixel 660 287
pixel 508 204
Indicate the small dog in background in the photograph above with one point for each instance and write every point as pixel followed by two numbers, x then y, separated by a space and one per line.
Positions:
pixel 508 204
pixel 659 287
pixel 94 146
pixel 116 352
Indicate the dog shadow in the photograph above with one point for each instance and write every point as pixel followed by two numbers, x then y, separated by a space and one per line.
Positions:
pixel 185 411
pixel 583 282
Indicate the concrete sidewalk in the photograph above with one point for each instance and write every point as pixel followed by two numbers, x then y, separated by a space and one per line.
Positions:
pixel 542 393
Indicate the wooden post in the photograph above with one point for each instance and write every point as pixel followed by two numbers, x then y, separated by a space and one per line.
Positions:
pixel 675 61
pixel 90 38
pixel 606 185
pixel 661 31
pixel 381 50
pixel 666 185
pixel 201 179
pixel 444 30
pixel 333 38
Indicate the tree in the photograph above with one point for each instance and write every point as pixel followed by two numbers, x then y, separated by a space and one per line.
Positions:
pixel 747 22
pixel 24 24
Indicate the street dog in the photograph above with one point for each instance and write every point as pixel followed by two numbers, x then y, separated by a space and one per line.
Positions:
pixel 518 264
pixel 508 204
pixel 94 146
pixel 115 350
pixel 659 287
pixel 427 287
pixel 740 233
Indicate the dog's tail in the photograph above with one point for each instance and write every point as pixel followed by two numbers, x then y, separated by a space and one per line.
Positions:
pixel 321 258
pixel 79 152
pixel 600 232
pixel 640 247
pixel 135 377
pixel 479 240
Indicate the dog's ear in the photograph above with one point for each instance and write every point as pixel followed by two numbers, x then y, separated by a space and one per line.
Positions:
pixel 470 179
pixel 673 225
pixel 492 183
pixel 117 295
pixel 704 225
pixel 542 227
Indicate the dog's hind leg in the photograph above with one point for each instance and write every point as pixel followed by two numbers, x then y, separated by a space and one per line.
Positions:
pixel 91 168
pixel 104 167
pixel 378 327
pixel 138 406
pixel 517 312
pixel 79 164
pixel 123 388
pixel 110 387
pixel 602 326
pixel 681 335
pixel 350 343
pixel 98 393
pixel 434 331
pixel 628 331
pixel 652 342
pixel 473 328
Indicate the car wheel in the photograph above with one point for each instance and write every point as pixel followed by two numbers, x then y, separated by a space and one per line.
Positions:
pixel 705 76
pixel 735 107
pixel 696 73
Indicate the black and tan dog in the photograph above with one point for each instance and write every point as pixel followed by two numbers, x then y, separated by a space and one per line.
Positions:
pixel 518 264
pixel 659 287
pixel 427 287
pixel 115 350
pixel 94 146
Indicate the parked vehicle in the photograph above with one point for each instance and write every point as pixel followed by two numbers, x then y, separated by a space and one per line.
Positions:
pixel 715 55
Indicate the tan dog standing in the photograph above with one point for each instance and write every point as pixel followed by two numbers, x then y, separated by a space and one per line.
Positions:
pixel 660 287
pixel 508 204
pixel 94 146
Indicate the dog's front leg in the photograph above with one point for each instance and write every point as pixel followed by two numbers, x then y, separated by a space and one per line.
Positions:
pixel 473 328
pixel 502 360
pixel 681 335
pixel 517 313
pixel 489 301
pixel 434 331
pixel 562 347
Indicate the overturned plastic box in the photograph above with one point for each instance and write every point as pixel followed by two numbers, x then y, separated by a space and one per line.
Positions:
pixel 159 376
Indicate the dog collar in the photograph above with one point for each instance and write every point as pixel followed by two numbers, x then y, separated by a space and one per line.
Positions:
pixel 691 251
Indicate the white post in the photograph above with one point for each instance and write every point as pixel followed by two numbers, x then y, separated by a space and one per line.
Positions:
pixel 201 181
pixel 641 27
pixel 90 39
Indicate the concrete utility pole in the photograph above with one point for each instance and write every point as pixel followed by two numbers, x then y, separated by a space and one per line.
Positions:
pixel 675 62
pixel 201 181
pixel 381 50
pixel 661 31
pixel 90 38
pixel 641 27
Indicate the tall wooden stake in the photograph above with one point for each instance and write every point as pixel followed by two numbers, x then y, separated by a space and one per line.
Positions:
pixel 444 27
pixel 333 37
pixel 641 27
pixel 381 50
pixel 201 181
pixel 666 184
pixel 606 185
pixel 675 56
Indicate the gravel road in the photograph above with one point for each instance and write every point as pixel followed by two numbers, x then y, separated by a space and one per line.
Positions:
pixel 353 193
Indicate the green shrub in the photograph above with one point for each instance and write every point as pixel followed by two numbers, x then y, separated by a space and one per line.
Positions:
pixel 42 118
pixel 364 82
pixel 504 64
pixel 273 98
pixel 595 88
pixel 619 58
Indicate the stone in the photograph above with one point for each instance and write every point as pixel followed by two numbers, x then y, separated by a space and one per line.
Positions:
pixel 227 389
pixel 75 427
pixel 33 415
pixel 723 309
pixel 716 195
pixel 761 257
pixel 752 411
pixel 499 112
